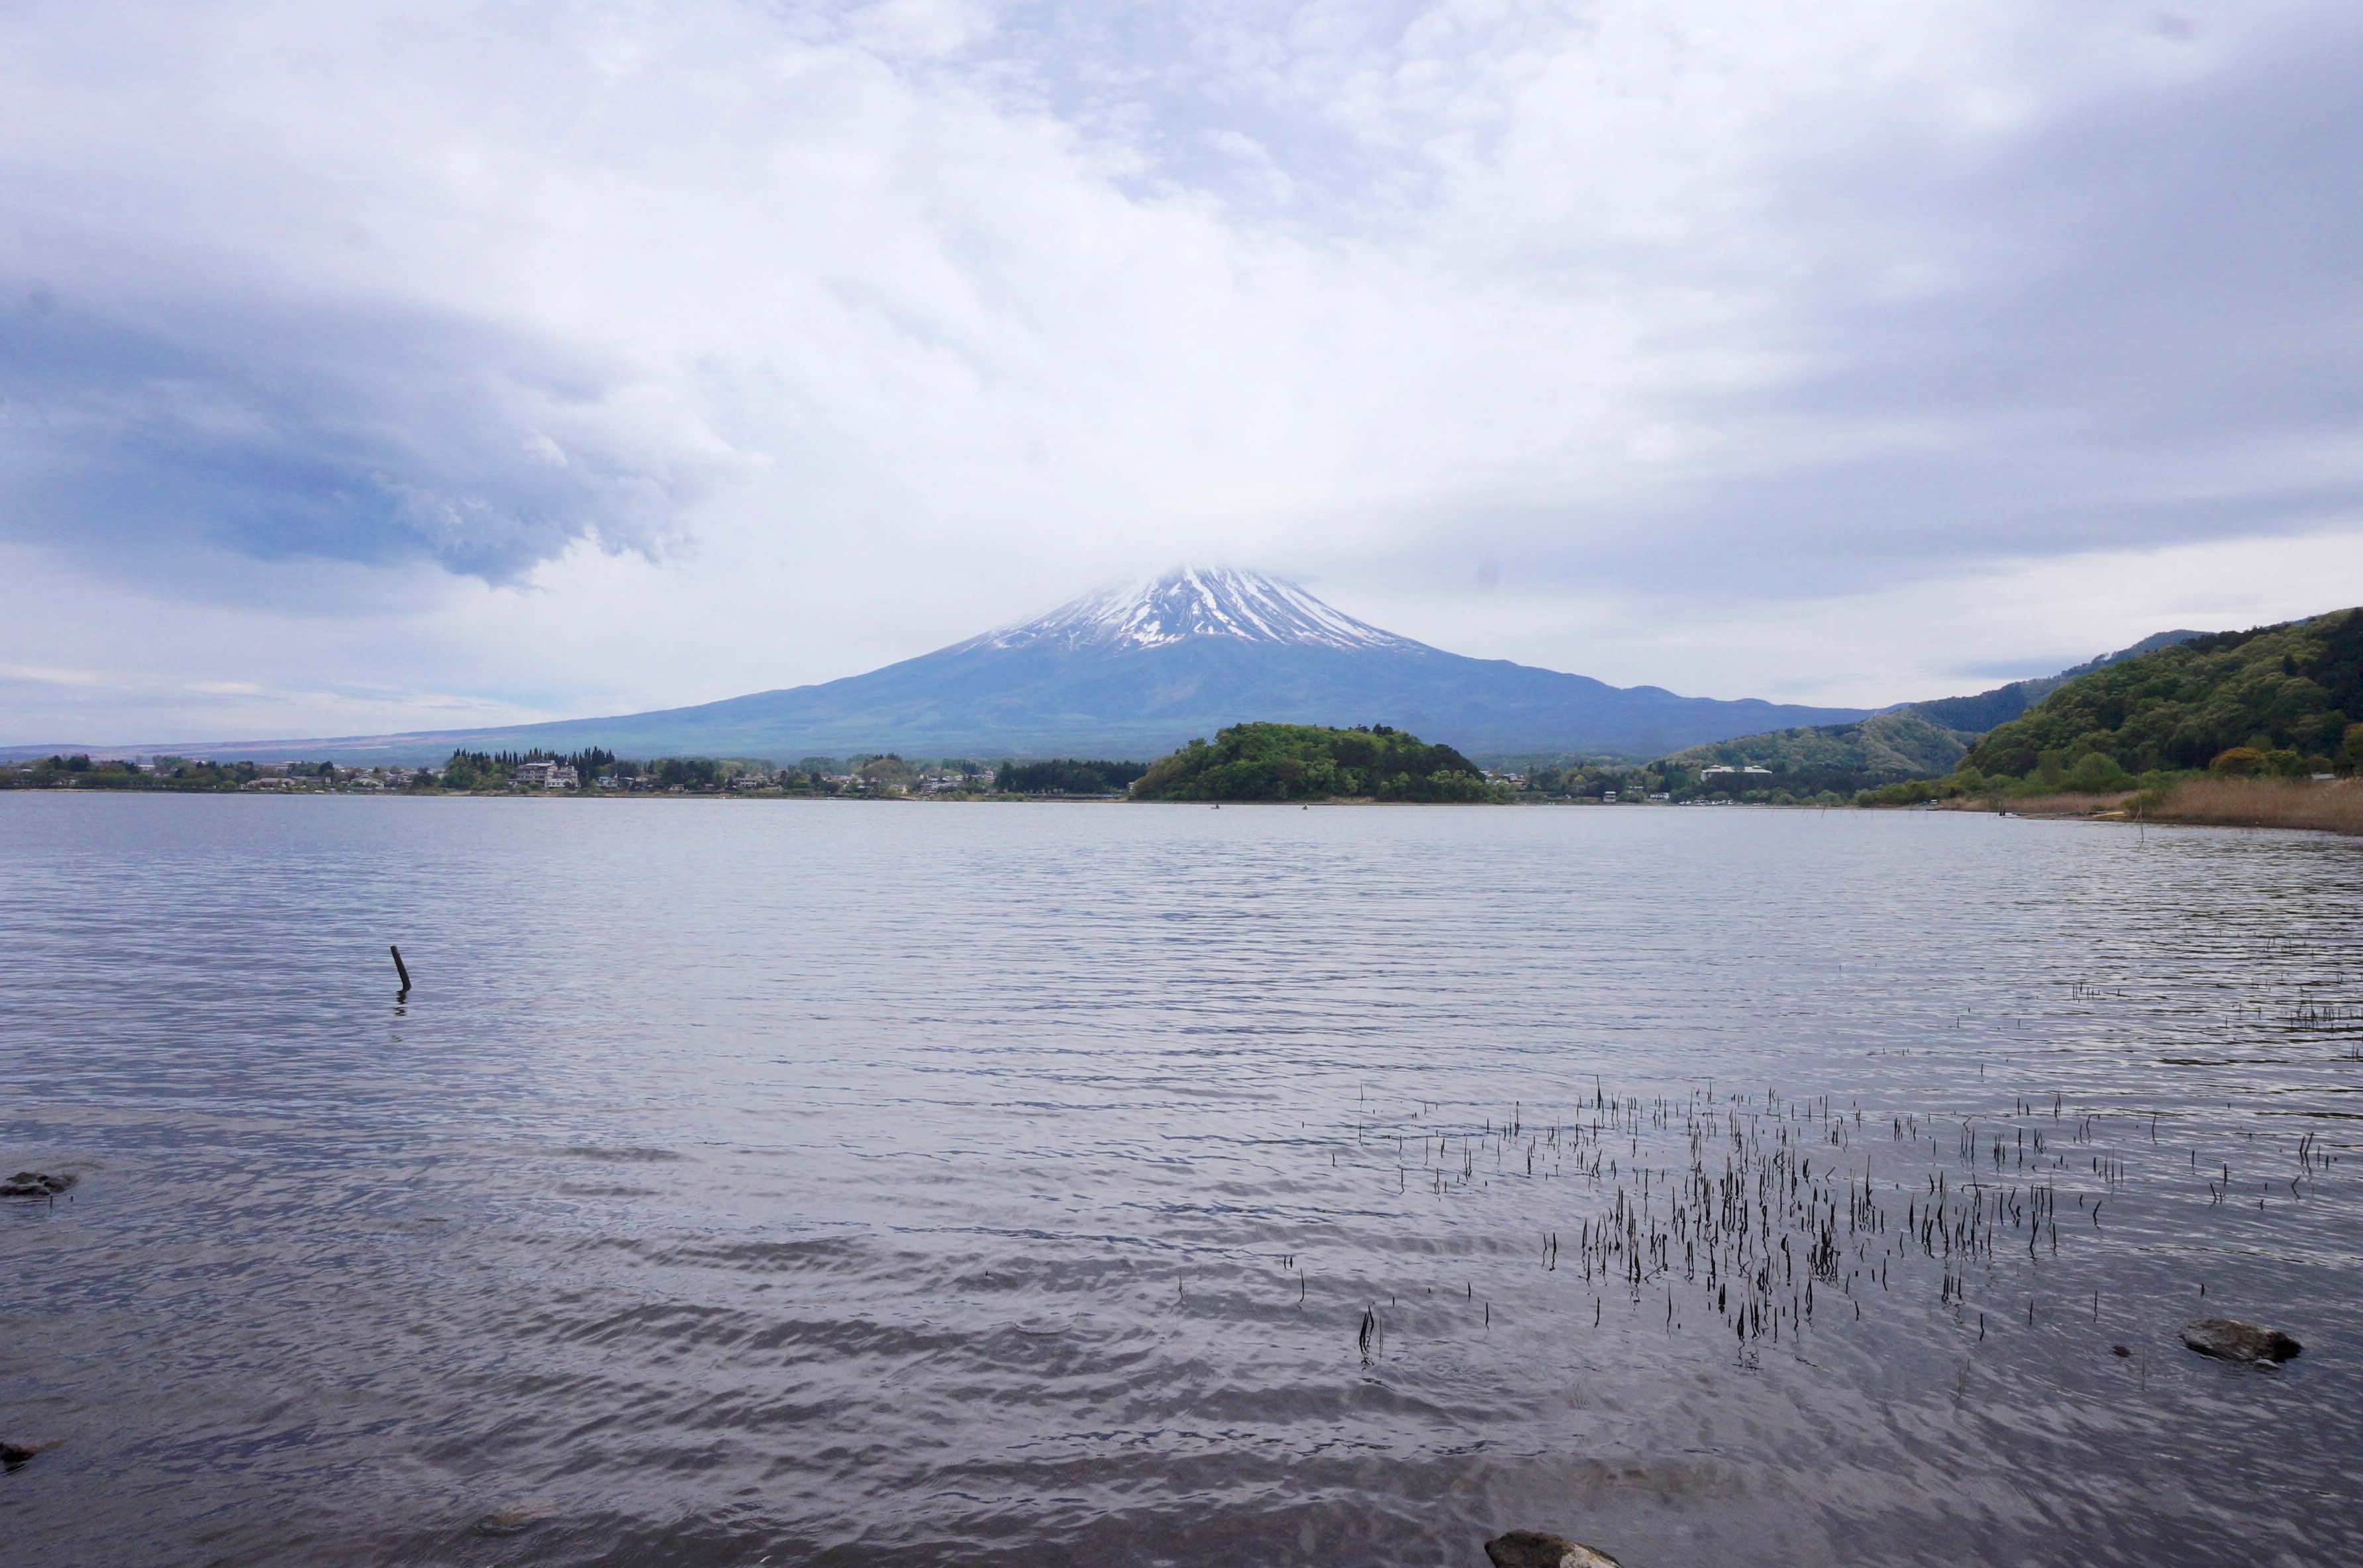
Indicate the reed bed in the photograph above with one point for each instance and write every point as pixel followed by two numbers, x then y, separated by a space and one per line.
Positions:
pixel 1761 1212
pixel 2327 805
pixel 1751 1215
pixel 2060 805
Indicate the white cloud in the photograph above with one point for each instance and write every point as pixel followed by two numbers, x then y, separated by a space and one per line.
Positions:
pixel 1997 621
pixel 930 29
pixel 745 344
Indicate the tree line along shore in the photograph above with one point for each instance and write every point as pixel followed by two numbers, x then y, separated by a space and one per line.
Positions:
pixel 1246 762
pixel 1251 764
pixel 2224 798
pixel 1243 762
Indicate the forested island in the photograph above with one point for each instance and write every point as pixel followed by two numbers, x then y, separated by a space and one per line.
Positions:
pixel 1311 762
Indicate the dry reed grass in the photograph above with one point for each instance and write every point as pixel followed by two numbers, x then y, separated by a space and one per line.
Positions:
pixel 2063 805
pixel 2330 805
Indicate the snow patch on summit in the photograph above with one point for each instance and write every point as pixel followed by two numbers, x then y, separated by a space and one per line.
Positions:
pixel 1197 603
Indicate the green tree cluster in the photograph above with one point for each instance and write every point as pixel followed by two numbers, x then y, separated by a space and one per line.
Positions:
pixel 80 772
pixel 1066 775
pixel 887 771
pixel 1308 762
pixel 476 770
pixel 695 774
pixel 468 770
pixel 1555 779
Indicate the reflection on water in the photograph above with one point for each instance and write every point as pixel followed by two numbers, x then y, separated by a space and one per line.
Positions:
pixel 748 1181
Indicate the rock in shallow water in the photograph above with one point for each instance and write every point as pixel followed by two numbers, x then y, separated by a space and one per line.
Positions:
pixel 14 1455
pixel 1532 1549
pixel 35 1183
pixel 2228 1339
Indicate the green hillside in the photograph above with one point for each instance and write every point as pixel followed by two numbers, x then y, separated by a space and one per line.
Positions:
pixel 1309 762
pixel 2291 693
pixel 1919 740
pixel 1901 744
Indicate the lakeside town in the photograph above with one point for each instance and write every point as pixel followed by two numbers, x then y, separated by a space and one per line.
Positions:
pixel 885 775
pixel 479 773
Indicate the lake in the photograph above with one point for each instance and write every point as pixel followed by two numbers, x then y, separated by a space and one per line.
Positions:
pixel 826 1182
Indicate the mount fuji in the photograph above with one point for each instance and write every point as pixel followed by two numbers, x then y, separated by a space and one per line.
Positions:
pixel 1137 672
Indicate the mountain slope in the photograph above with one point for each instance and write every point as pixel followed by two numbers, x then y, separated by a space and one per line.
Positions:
pixel 2295 688
pixel 1918 740
pixel 1135 674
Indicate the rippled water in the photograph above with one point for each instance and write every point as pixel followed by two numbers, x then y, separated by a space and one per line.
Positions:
pixel 750 1181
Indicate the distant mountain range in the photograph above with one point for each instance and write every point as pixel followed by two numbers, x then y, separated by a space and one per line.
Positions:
pixel 1130 674
pixel 1915 740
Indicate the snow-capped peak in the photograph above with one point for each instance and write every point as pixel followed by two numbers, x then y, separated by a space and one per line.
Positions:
pixel 1198 603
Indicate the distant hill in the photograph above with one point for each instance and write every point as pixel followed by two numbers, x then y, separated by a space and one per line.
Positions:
pixel 1903 743
pixel 1983 711
pixel 1917 740
pixel 2294 688
pixel 1129 674
pixel 1312 762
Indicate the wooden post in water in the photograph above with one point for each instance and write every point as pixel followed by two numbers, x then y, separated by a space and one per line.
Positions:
pixel 399 967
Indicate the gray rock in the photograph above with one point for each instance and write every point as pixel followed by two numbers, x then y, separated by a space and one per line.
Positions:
pixel 2228 1339
pixel 35 1183
pixel 505 1521
pixel 1532 1549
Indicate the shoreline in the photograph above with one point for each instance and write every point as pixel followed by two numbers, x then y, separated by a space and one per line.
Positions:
pixel 2331 806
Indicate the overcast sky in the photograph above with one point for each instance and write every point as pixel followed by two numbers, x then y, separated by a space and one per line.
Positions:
pixel 369 367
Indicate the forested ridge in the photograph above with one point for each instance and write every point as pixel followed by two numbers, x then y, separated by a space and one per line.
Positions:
pixel 1896 745
pixel 2290 697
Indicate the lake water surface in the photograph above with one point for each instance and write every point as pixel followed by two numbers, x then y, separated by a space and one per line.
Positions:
pixel 834 1183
